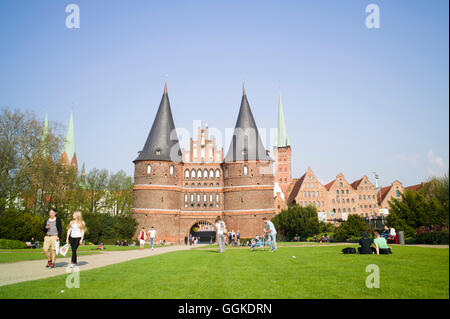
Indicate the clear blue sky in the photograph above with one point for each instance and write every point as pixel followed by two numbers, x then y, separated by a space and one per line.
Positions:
pixel 355 99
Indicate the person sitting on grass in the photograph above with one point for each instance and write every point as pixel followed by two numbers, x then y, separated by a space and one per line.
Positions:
pixel 254 242
pixel 381 246
pixel 366 244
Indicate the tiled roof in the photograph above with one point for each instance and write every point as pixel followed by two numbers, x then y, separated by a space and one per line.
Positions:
pixel 328 186
pixel 356 183
pixel 296 189
pixel 414 188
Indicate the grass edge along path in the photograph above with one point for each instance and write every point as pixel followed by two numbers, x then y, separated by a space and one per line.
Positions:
pixel 315 272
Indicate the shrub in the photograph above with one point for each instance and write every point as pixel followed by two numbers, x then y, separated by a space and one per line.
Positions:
pixel 11 244
pixel 432 235
pixel 302 221
pixel 351 228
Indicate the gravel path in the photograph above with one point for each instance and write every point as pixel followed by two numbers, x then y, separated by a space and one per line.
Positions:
pixel 11 273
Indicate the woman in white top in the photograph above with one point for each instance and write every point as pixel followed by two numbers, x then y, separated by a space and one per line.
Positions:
pixel 75 235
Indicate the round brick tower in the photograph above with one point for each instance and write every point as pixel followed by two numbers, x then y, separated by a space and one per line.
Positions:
pixel 248 177
pixel 157 177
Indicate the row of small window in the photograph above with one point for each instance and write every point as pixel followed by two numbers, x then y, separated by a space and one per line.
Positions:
pixel 343 200
pixel 201 174
pixel 311 194
pixel 366 188
pixel 149 169
pixel 200 184
pixel 196 200
pixel 317 204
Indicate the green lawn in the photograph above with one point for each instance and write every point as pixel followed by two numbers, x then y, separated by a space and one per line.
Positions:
pixel 14 255
pixel 316 272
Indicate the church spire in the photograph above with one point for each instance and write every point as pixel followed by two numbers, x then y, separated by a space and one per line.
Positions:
pixel 162 142
pixel 69 153
pixel 283 138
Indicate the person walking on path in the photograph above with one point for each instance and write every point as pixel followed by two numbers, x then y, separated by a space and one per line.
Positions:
pixel 53 230
pixel 152 233
pixel 190 239
pixel 221 232
pixel 142 238
pixel 272 234
pixel 75 235
pixel 185 240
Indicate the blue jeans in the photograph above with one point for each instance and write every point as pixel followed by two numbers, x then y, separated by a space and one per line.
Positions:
pixel 152 241
pixel 273 241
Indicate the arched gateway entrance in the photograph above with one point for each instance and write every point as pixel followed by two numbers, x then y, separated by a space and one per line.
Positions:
pixel 204 231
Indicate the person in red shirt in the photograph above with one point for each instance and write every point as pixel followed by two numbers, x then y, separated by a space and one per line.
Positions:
pixel 142 238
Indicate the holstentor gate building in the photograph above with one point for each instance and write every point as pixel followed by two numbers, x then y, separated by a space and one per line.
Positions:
pixel 175 189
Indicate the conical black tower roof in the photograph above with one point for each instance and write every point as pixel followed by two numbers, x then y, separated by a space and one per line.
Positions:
pixel 162 142
pixel 246 144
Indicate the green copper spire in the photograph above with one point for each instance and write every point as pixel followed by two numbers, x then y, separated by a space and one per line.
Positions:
pixel 283 138
pixel 69 144
pixel 44 137
pixel 45 129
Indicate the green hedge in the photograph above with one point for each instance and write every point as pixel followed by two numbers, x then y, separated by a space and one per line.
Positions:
pixel 11 244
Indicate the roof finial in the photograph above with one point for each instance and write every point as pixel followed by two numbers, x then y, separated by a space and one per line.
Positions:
pixel 165 84
pixel 243 87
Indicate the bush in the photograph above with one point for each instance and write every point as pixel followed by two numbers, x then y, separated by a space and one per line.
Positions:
pixel 351 228
pixel 11 244
pixel 299 220
pixel 21 225
pixel 432 235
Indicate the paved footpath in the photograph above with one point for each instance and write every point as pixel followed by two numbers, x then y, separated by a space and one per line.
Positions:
pixel 11 273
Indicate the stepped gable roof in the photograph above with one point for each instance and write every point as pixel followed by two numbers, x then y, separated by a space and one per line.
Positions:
pixel 162 141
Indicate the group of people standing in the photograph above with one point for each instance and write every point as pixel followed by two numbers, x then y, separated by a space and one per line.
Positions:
pixel 143 237
pixel 221 233
pixel 53 232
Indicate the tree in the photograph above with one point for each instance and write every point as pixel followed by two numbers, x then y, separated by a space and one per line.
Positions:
pixel 302 221
pixel 413 210
pixel 352 227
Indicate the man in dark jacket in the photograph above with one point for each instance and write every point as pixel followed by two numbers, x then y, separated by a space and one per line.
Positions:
pixel 53 231
pixel 366 244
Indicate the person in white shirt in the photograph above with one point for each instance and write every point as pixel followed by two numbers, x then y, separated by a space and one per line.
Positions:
pixel 152 233
pixel 272 232
pixel 220 233
pixel 75 235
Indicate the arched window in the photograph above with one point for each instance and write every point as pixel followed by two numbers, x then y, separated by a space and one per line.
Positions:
pixel 186 197
pixel 342 191
pixel 211 173
pixel 204 197
pixel 226 172
pixel 205 174
pixel 198 198
pixel 217 198
pixel 186 174
pixel 149 169
pixel 171 170
pixel 217 173
pixel 245 170
pixel 337 192
pixel 211 197
pixel 199 173
pixel 193 173
pixel 192 197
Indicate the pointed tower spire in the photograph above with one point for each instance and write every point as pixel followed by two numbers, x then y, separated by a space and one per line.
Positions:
pixel 44 137
pixel 162 142
pixel 69 143
pixel 283 138
pixel 246 144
